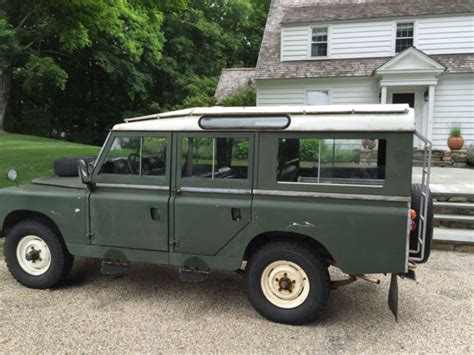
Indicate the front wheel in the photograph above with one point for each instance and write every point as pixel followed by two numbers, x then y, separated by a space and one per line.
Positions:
pixel 287 282
pixel 36 255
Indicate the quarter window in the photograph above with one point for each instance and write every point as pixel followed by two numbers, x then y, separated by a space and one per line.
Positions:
pixel 141 156
pixel 215 158
pixel 331 161
pixel 319 42
pixel 404 37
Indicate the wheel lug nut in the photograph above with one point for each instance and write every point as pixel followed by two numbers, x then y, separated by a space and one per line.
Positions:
pixel 277 279
pixel 293 281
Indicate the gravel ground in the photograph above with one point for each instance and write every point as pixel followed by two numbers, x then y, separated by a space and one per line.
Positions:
pixel 149 310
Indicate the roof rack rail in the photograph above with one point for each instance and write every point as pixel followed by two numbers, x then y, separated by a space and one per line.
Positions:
pixel 143 118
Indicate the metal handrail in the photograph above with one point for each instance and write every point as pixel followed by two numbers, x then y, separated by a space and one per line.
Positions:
pixel 424 200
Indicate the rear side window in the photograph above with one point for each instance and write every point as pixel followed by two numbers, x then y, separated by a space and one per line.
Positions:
pixel 331 161
pixel 215 158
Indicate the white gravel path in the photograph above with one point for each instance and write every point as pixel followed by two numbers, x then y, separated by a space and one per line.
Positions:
pixel 149 310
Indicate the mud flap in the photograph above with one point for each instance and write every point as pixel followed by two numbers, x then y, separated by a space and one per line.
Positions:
pixel 393 296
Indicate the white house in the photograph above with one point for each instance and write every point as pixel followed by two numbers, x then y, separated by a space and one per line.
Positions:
pixel 419 52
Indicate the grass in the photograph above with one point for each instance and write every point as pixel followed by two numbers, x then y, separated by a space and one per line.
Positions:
pixel 34 156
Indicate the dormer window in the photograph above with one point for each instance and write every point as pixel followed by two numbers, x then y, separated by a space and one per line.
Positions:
pixel 404 38
pixel 319 42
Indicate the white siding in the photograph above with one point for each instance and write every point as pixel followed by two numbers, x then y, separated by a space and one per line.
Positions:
pixel 441 35
pixel 341 91
pixel 446 35
pixel 454 105
pixel 361 40
pixel 295 43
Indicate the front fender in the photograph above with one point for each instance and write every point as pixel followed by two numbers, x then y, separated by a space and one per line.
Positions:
pixel 66 207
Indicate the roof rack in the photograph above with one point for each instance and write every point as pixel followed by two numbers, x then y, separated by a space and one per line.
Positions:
pixel 272 110
pixel 142 118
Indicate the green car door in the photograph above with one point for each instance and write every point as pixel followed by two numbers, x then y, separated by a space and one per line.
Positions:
pixel 129 206
pixel 213 184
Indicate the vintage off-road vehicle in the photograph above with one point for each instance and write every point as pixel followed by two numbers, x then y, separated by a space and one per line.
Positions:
pixel 279 193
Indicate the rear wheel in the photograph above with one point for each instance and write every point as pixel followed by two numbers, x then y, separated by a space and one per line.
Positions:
pixel 287 282
pixel 36 255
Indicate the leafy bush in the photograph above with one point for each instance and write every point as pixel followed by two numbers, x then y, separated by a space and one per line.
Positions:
pixel 470 155
pixel 241 150
pixel 244 97
pixel 309 149
pixel 455 132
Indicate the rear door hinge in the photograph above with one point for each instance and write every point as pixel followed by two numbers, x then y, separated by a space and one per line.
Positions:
pixel 90 236
pixel 174 243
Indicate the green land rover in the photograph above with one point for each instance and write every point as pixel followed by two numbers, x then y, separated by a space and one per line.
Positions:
pixel 279 194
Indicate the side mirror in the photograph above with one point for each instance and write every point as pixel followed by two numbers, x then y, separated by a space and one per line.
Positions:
pixel 84 172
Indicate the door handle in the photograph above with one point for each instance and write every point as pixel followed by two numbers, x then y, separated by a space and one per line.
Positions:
pixel 155 213
pixel 236 214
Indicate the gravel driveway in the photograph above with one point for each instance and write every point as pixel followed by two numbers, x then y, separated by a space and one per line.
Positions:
pixel 149 310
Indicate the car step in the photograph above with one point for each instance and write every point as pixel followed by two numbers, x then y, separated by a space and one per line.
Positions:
pixel 193 275
pixel 114 267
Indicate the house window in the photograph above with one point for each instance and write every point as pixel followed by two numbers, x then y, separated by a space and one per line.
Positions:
pixel 319 42
pixel 317 98
pixel 404 38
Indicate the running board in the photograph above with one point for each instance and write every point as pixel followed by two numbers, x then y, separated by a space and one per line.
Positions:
pixel 193 275
pixel 114 267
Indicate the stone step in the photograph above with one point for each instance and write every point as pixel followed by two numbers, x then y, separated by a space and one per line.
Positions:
pixel 454 208
pixel 454 235
pixel 453 221
pixel 452 196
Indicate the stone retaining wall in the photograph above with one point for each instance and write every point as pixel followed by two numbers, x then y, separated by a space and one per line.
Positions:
pixel 443 158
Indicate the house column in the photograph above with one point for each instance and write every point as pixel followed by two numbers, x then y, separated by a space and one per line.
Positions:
pixel 429 124
pixel 383 94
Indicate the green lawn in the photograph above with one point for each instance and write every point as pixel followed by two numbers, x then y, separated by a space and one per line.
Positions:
pixel 34 156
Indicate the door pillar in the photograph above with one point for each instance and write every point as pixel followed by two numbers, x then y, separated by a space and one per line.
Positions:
pixel 383 94
pixel 429 121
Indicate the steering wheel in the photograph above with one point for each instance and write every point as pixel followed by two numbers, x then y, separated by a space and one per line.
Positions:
pixel 134 163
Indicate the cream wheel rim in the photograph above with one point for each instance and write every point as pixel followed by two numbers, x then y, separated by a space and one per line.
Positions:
pixel 33 255
pixel 285 284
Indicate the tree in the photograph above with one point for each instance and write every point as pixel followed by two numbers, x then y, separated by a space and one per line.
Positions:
pixel 45 43
pixel 72 69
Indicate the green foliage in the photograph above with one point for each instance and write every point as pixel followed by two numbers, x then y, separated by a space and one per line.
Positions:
pixel 9 46
pixel 244 97
pixel 455 132
pixel 40 75
pixel 470 155
pixel 81 66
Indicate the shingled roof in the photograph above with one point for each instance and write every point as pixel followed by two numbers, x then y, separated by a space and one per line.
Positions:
pixel 269 65
pixel 232 80
pixel 344 10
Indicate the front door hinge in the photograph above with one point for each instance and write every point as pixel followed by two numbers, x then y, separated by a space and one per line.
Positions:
pixel 90 236
pixel 174 243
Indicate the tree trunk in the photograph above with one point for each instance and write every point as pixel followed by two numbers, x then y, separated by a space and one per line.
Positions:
pixel 5 80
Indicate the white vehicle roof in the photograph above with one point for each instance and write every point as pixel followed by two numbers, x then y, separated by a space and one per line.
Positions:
pixel 354 118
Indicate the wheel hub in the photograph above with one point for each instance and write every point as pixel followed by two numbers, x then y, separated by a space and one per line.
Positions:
pixel 33 255
pixel 285 284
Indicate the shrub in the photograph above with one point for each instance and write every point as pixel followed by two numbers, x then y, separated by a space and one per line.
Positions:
pixel 455 132
pixel 244 97
pixel 470 155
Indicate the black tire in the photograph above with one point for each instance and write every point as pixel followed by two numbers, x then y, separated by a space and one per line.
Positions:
pixel 69 167
pixel 61 260
pixel 416 191
pixel 315 269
